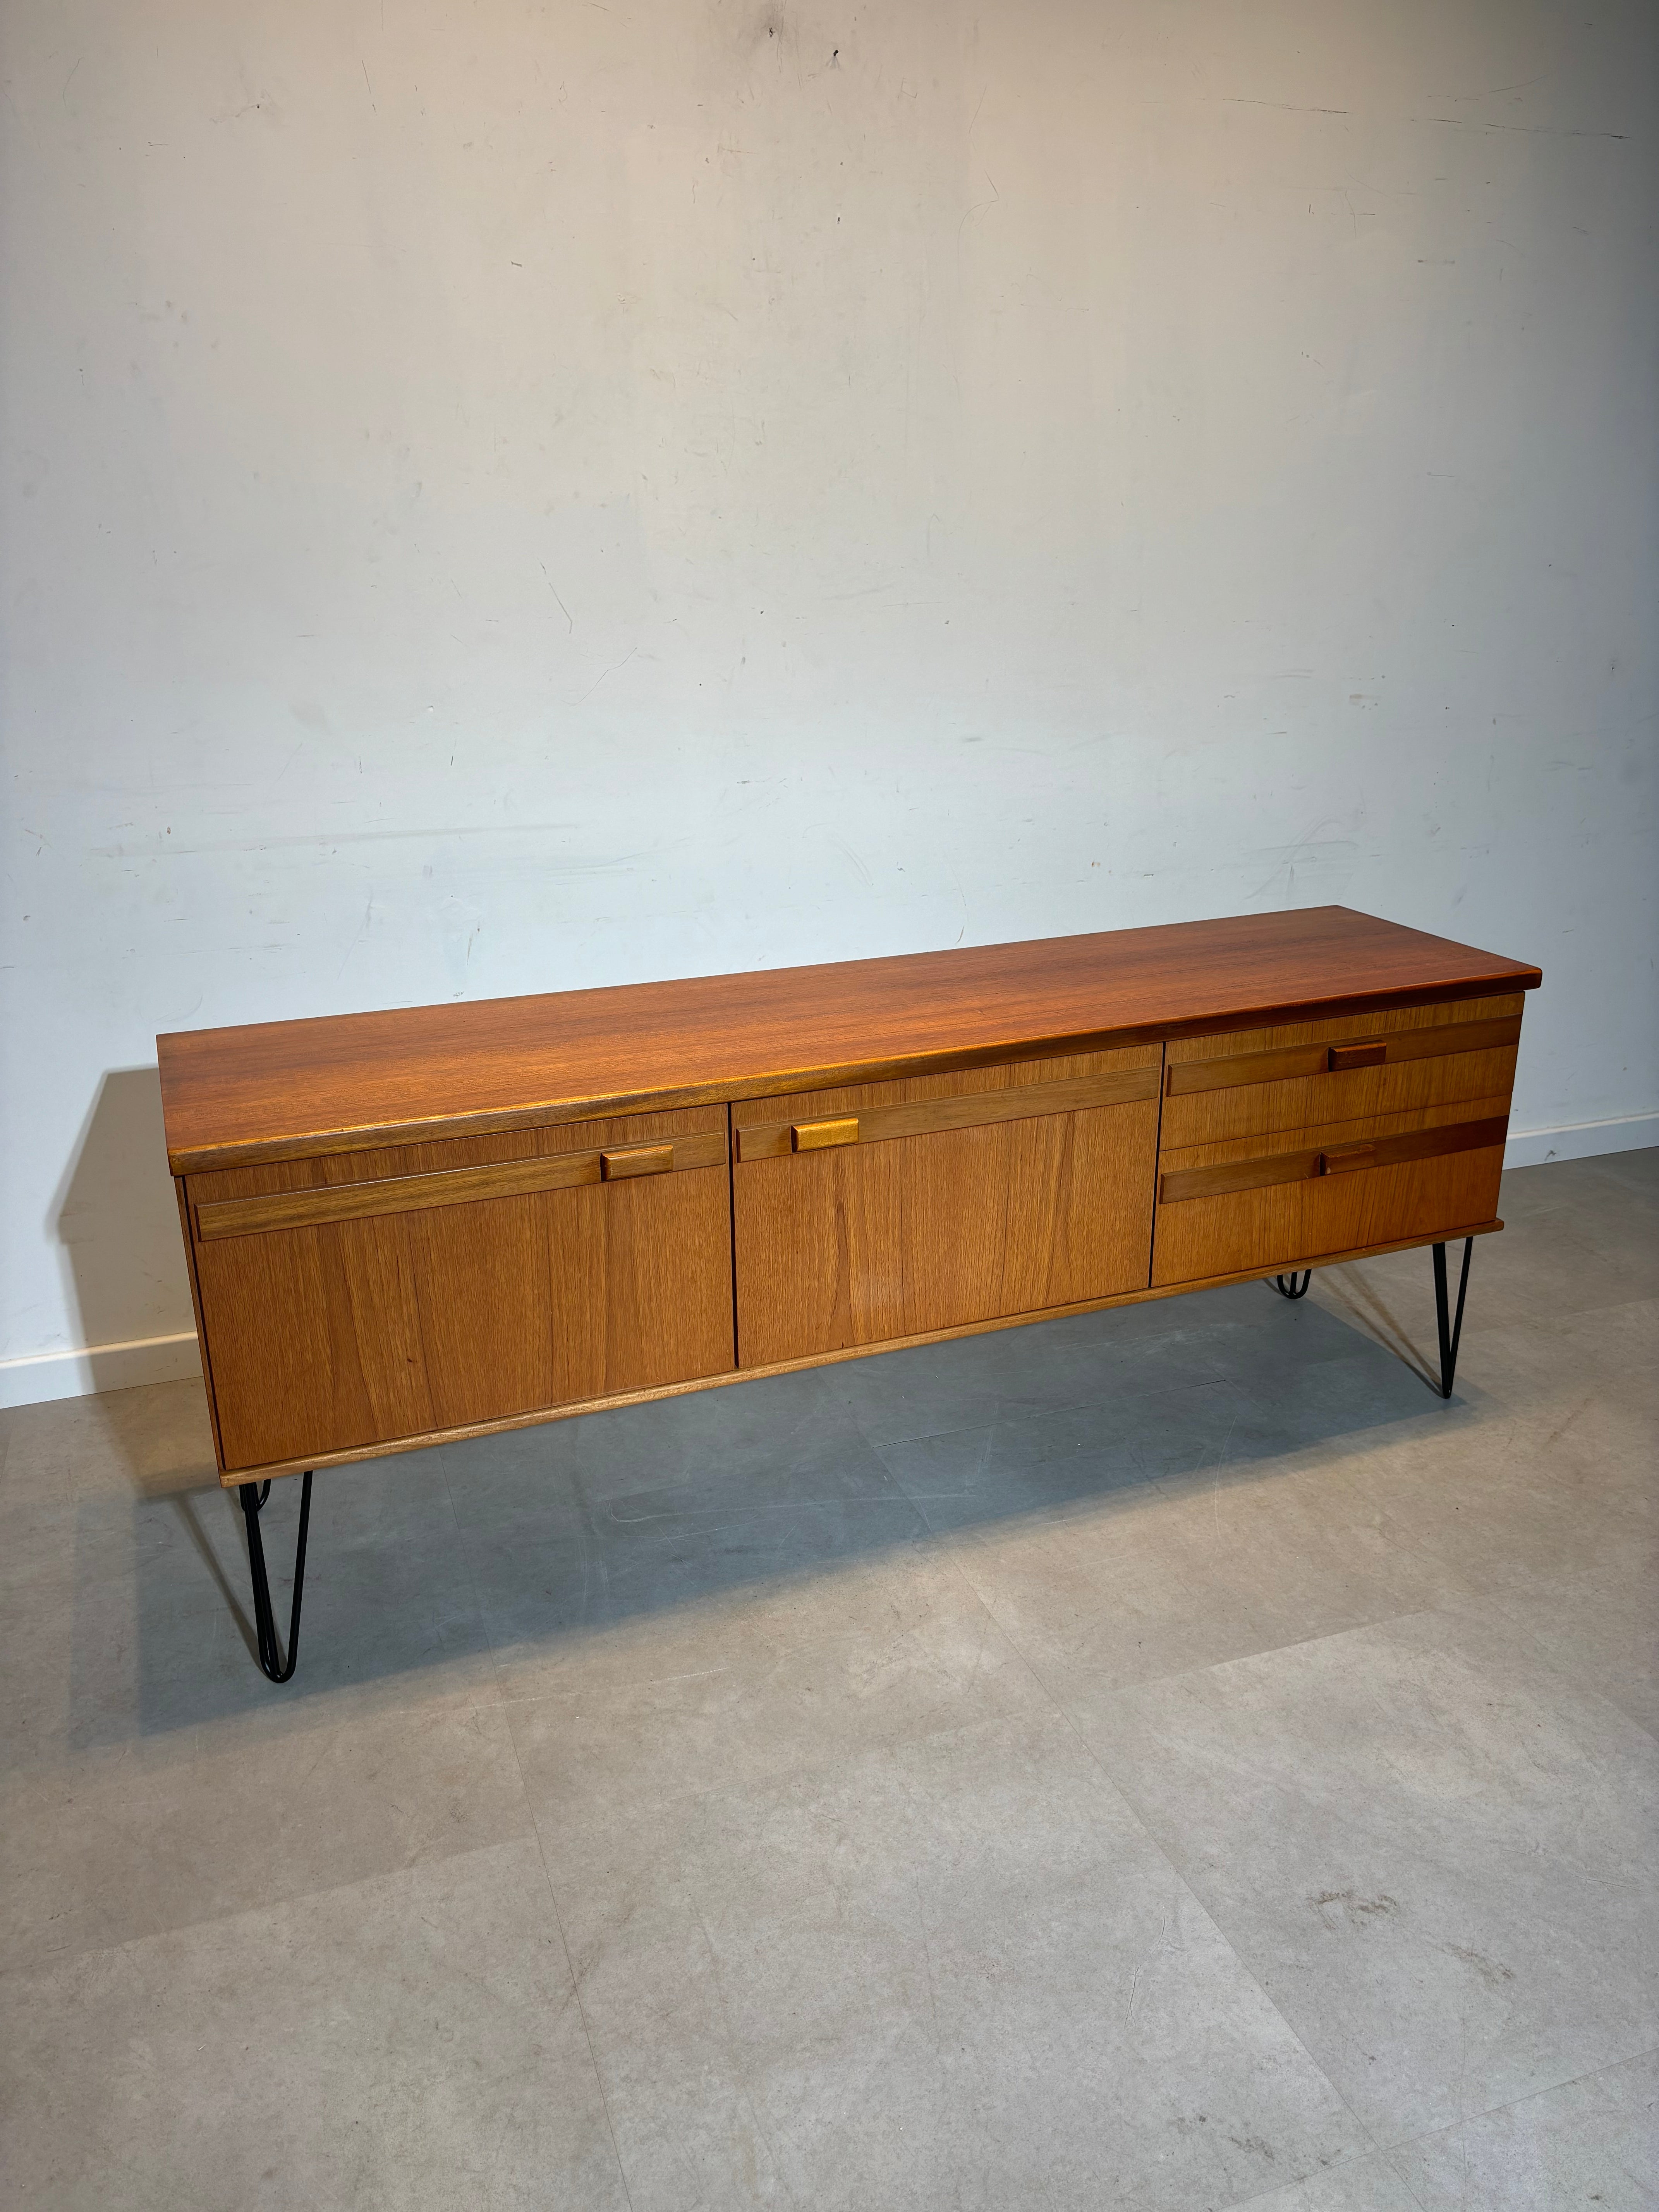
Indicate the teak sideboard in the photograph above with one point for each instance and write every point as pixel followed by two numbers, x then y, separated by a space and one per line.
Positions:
pixel 408 1227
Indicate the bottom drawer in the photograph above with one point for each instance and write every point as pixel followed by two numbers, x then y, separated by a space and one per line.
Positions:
pixel 1223 1209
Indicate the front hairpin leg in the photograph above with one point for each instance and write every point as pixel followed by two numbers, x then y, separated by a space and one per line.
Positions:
pixel 1288 1287
pixel 253 1496
pixel 1450 1328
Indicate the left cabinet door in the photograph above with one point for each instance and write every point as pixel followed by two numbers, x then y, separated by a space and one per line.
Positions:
pixel 351 1302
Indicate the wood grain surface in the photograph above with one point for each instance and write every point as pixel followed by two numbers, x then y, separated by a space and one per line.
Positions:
pixel 1435 1055
pixel 958 1108
pixel 1240 1067
pixel 286 1090
pixel 1320 1135
pixel 864 1243
pixel 329 1340
pixel 1342 1156
pixel 356 1201
pixel 385 1163
pixel 1303 1222
pixel 1339 1029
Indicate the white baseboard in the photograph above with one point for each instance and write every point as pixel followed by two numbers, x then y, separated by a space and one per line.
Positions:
pixel 39 1376
pixel 1580 1141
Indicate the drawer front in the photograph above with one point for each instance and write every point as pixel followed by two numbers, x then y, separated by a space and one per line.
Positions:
pixel 1284 1200
pixel 359 1298
pixel 886 1210
pixel 1304 1075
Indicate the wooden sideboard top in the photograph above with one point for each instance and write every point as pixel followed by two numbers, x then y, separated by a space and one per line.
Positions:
pixel 286 1090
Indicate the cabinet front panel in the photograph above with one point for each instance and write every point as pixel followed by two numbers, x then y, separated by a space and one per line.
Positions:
pixel 1283 1199
pixel 359 1330
pixel 857 1238
pixel 505 1148
pixel 1304 1075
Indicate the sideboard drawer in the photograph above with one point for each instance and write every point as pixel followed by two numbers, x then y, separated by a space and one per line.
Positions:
pixel 885 1209
pixel 1294 1196
pixel 1302 1075
pixel 361 1297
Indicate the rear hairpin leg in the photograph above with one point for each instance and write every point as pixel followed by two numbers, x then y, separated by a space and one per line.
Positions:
pixel 1288 1286
pixel 253 1496
pixel 1450 1328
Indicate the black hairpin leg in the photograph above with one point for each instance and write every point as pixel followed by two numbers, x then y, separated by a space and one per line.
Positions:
pixel 1450 1328
pixel 1288 1286
pixel 253 1496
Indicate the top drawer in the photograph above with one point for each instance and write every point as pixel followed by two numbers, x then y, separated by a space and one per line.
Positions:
pixel 1252 1081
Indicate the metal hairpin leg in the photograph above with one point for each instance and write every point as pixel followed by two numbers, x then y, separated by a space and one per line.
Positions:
pixel 1450 1324
pixel 1450 1329
pixel 253 1496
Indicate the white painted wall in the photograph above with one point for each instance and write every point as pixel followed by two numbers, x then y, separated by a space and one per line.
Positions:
pixel 501 496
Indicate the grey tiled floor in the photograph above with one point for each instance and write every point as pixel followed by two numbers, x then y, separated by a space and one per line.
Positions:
pixel 1165 1760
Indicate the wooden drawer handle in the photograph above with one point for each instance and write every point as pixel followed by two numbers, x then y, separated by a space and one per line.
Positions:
pixel 1344 1156
pixel 636 1160
pixel 1345 1056
pixel 814 1136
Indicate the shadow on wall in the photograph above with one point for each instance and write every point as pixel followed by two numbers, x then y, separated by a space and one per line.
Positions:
pixel 116 1222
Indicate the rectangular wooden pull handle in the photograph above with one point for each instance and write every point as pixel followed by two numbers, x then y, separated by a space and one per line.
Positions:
pixel 813 1136
pixel 636 1160
pixel 1344 1156
pixel 1343 1056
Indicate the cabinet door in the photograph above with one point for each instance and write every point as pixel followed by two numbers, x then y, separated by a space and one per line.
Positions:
pixel 887 1210
pixel 354 1300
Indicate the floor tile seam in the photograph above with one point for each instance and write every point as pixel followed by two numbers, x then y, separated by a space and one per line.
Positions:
pixel 1266 1651
pixel 921 1733
pixel 740 2073
pixel 1383 2142
pixel 735 1514
pixel 1423 1555
pixel 570 1969
pixel 1180 1877
pixel 1391 2149
pixel 1338 2166
pixel 762 1590
pixel 999 1421
pixel 88 1766
pixel 904 1737
pixel 18 1971
pixel 1511 1605
pixel 959 1574
pixel 827 1643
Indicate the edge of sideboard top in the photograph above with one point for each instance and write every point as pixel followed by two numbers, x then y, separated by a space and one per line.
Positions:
pixel 340 1082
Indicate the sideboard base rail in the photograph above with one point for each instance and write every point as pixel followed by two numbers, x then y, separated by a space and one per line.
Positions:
pixel 253 1496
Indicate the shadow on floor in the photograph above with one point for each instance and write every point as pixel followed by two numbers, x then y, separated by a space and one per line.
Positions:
pixel 435 1558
